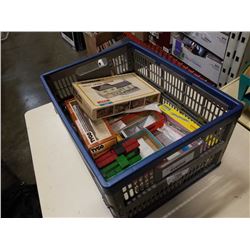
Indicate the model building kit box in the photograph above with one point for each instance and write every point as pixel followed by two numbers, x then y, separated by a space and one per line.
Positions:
pixel 216 42
pixel 113 95
pixel 97 135
pixel 197 57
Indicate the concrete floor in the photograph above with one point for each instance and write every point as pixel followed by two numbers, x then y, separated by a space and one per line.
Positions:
pixel 25 56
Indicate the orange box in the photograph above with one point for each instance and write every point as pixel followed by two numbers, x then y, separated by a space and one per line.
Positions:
pixel 98 136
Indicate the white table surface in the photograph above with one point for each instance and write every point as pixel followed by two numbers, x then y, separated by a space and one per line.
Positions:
pixel 66 188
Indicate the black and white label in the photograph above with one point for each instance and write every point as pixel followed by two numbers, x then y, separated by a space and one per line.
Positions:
pixel 91 137
pixel 97 148
pixel 175 165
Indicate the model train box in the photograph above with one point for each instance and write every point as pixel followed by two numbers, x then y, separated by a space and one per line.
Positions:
pixel 113 95
pixel 97 135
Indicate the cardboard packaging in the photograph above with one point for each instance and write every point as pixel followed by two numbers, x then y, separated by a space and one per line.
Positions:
pixel 113 95
pixel 175 116
pixel 96 135
pixel 94 40
pixel 197 57
pixel 216 42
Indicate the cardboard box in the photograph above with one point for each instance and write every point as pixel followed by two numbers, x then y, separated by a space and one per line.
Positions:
pixel 95 39
pixel 199 59
pixel 174 116
pixel 96 135
pixel 113 95
pixel 143 36
pixel 228 58
pixel 216 42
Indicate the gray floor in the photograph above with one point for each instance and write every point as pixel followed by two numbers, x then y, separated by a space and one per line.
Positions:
pixel 25 56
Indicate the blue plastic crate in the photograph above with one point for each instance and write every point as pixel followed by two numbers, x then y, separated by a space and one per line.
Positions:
pixel 215 111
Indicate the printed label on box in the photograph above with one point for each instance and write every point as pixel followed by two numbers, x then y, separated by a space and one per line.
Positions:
pixel 97 136
pixel 174 166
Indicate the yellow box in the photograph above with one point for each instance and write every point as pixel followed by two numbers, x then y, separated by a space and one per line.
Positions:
pixel 178 117
pixel 184 121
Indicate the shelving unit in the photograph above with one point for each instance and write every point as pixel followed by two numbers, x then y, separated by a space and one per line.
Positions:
pixel 235 52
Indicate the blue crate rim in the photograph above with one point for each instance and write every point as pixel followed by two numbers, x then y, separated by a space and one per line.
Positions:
pixel 234 112
pixel 158 59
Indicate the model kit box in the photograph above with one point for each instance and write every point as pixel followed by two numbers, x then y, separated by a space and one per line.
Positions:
pixel 143 36
pixel 216 42
pixel 113 95
pixel 97 135
pixel 174 116
pixel 197 57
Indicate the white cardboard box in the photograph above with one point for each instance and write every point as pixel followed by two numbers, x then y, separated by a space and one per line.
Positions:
pixel 215 42
pixel 108 96
pixel 207 66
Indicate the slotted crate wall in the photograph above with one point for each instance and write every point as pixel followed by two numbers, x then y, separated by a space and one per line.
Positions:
pixel 176 88
pixel 144 185
pixel 164 192
pixel 61 84
pixel 64 86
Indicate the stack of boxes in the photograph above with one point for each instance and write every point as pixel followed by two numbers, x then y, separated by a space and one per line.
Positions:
pixel 98 104
pixel 120 121
pixel 203 51
pixel 216 55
